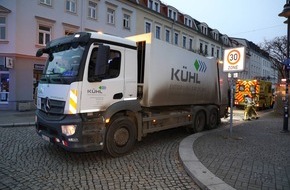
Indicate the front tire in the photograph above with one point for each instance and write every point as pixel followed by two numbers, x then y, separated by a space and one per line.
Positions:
pixel 120 136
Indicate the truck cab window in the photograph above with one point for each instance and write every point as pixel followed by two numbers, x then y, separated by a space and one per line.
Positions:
pixel 112 68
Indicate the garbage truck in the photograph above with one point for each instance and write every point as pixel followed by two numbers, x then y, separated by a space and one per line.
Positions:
pixel 102 92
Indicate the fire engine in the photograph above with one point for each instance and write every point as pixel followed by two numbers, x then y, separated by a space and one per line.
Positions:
pixel 259 90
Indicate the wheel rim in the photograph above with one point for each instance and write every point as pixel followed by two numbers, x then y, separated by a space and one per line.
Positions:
pixel 121 137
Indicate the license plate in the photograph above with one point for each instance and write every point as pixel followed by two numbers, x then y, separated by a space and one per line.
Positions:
pixel 45 138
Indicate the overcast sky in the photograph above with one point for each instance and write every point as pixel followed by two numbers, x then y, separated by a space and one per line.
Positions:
pixel 254 20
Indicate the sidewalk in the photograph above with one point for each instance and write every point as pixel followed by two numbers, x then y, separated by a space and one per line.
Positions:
pixel 16 118
pixel 256 156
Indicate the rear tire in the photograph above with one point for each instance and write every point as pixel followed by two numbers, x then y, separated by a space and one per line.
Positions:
pixel 199 122
pixel 213 119
pixel 120 136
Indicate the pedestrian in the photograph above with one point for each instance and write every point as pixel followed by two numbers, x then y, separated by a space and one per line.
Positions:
pixel 250 111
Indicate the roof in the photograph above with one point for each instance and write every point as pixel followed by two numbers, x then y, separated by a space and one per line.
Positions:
pixel 4 9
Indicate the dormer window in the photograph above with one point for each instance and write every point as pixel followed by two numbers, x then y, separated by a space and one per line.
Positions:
pixel 225 40
pixel 172 14
pixel 154 5
pixel 203 28
pixel 188 21
pixel 215 35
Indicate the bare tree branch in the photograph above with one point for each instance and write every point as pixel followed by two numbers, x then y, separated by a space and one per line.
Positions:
pixel 277 49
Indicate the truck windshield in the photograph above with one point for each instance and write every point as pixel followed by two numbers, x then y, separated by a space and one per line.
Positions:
pixel 63 64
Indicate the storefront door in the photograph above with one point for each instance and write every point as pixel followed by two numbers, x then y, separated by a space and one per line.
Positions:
pixel 4 87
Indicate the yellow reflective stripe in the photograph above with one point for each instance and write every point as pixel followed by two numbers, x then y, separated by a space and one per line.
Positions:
pixel 73 97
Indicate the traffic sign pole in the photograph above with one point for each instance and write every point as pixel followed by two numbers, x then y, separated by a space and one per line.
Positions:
pixel 234 61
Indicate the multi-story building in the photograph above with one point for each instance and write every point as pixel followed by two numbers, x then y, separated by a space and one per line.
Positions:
pixel 172 26
pixel 258 64
pixel 26 26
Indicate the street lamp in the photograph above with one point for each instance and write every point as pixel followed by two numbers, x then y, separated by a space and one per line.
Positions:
pixel 286 13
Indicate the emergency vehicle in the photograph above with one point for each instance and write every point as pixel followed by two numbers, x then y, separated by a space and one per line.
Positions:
pixel 259 90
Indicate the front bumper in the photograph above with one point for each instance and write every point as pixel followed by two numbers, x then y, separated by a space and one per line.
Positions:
pixel 89 135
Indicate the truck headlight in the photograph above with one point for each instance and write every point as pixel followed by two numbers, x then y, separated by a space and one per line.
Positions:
pixel 68 130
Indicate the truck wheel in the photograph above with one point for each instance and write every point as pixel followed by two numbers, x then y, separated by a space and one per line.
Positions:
pixel 213 119
pixel 120 136
pixel 199 122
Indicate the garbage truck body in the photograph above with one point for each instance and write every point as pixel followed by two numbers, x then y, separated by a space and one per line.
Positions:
pixel 101 92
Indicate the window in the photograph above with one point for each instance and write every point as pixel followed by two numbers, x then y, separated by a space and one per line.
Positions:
pixel 184 41
pixel 44 34
pixel 92 10
pixel 217 53
pixel 212 51
pixel 176 38
pixel 71 6
pixel 172 14
pixel 203 29
pixel 150 4
pixel 110 16
pixel 187 21
pixel 3 28
pixel 147 27
pixel 200 47
pixel 68 32
pixel 154 5
pixel 114 65
pixel 158 32
pixel 190 44
pixel 127 21
pixel 205 50
pixel 45 2
pixel 70 29
pixel 167 35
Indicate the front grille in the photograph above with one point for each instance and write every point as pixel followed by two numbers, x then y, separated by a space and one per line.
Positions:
pixel 54 107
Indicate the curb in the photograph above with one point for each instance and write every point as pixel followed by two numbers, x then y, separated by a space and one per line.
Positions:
pixel 204 178
pixel 195 169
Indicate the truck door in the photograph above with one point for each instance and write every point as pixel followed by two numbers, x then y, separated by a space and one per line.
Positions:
pixel 99 92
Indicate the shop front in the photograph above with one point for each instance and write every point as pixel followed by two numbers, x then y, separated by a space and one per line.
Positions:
pixel 19 76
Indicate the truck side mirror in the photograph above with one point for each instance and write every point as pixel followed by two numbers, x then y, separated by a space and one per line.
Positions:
pixel 39 53
pixel 102 60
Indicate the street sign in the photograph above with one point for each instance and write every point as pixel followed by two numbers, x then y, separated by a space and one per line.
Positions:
pixel 287 63
pixel 234 59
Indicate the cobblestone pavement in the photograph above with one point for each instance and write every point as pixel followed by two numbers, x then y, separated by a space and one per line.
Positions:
pixel 28 162
pixel 257 156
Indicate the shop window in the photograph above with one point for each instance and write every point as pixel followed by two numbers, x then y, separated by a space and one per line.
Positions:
pixel 4 87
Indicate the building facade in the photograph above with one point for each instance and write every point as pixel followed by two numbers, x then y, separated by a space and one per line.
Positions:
pixel 172 26
pixel 26 26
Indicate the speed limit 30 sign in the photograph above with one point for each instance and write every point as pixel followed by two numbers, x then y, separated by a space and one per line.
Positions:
pixel 234 60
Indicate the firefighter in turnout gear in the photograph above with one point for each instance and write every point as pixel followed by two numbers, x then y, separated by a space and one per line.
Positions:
pixel 250 111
